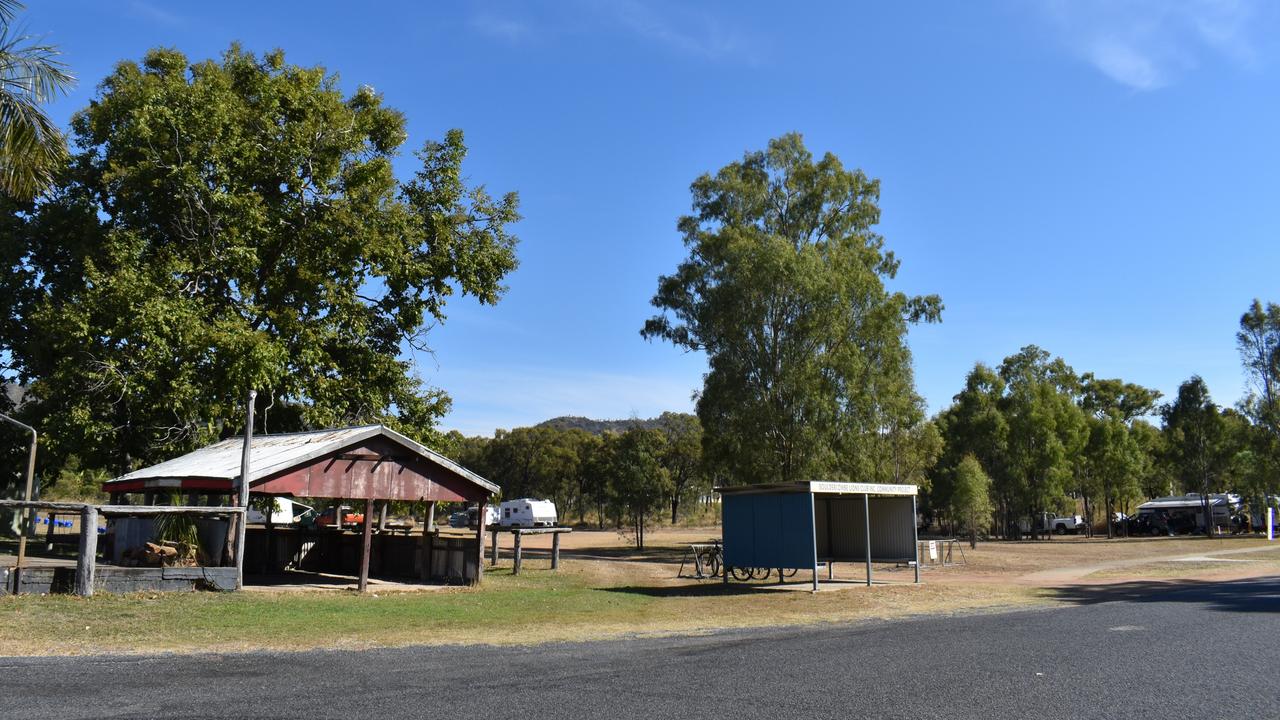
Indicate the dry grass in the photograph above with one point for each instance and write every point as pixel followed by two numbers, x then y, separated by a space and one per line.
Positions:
pixel 603 590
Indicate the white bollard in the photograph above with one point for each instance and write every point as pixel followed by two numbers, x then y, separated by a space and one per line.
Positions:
pixel 1271 530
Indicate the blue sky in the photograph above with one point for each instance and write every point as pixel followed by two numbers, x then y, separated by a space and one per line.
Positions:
pixel 1097 177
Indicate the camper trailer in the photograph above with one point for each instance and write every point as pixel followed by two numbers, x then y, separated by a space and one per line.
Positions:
pixel 284 512
pixel 527 513
pixel 1180 514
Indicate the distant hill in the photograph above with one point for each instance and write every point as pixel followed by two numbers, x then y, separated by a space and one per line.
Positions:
pixel 597 427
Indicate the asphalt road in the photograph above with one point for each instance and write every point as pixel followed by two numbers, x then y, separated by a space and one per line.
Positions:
pixel 1208 651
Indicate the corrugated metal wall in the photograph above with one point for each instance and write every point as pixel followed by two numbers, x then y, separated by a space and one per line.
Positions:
pixel 841 528
pixel 768 531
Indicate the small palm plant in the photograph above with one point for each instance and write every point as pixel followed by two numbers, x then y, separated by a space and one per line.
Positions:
pixel 181 531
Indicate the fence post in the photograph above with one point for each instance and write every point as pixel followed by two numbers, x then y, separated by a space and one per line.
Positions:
pixel 515 566
pixel 87 560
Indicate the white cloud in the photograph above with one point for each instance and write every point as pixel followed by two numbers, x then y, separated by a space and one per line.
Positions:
pixel 678 27
pixel 674 26
pixel 501 27
pixel 1146 44
pixel 506 397
pixel 156 13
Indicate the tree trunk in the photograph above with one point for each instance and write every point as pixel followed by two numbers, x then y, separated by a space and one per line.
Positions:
pixel 675 508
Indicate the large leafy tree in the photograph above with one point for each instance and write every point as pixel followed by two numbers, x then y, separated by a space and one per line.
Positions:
pixel 32 148
pixel 638 480
pixel 236 224
pixel 971 497
pixel 1047 430
pixel 1197 441
pixel 682 458
pixel 784 290
pixel 1259 343
pixel 1113 461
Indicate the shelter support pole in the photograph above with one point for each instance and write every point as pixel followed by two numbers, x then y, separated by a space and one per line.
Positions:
pixel 515 565
pixel 431 516
pixel 915 536
pixel 382 516
pixel 555 551
pixel 480 541
pixel 87 559
pixel 366 542
pixel 813 501
pixel 425 571
pixel 24 522
pixel 866 516
pixel 243 498
pixel 493 547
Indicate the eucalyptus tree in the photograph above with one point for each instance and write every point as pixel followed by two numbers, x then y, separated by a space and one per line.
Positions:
pixel 1258 341
pixel 1197 442
pixel 32 148
pixel 1113 461
pixel 971 497
pixel 1047 430
pixel 784 290
pixel 237 224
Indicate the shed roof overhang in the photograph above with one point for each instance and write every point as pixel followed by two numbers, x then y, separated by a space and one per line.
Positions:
pixel 819 487
pixel 370 461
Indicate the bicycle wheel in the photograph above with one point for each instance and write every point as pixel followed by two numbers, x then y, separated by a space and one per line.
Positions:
pixel 790 572
pixel 740 573
pixel 714 564
pixel 760 573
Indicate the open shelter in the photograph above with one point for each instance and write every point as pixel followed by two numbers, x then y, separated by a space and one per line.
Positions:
pixel 371 463
pixel 800 525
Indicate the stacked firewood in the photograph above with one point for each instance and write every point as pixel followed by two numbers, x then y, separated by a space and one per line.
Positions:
pixel 164 554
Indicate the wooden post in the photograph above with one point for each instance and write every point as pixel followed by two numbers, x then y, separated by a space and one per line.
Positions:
pixel 555 551
pixel 431 515
pixel 244 488
pixel 365 543
pixel 425 550
pixel 48 534
pixel 479 541
pixel 87 559
pixel 493 547
pixel 915 536
pixel 515 567
pixel 866 517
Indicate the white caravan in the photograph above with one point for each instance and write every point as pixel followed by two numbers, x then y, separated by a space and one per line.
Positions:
pixel 527 513
pixel 286 511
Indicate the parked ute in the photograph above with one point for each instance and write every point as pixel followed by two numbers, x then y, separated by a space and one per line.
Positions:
pixel 1067 524
pixel 527 513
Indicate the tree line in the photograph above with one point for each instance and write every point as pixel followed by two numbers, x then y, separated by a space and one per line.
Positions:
pixel 1041 438
pixel 626 478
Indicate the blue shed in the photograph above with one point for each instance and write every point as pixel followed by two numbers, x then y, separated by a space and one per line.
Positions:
pixel 802 525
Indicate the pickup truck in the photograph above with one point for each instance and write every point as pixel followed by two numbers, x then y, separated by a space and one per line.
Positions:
pixel 1067 524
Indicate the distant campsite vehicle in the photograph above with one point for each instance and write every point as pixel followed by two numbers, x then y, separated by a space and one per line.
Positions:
pixel 467 518
pixel 286 512
pixel 527 513
pixel 325 519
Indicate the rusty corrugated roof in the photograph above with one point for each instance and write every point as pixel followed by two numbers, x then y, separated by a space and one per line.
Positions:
pixel 270 454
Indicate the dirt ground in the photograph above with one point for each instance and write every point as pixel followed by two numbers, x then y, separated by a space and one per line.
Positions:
pixel 1069 560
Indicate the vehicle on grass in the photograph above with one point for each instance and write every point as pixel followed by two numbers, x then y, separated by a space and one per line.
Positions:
pixel 1067 524
pixel 1143 525
pixel 1185 513
pixel 286 512
pixel 467 518
pixel 326 516
pixel 527 513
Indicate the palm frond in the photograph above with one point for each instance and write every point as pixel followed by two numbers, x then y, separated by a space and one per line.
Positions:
pixel 32 147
